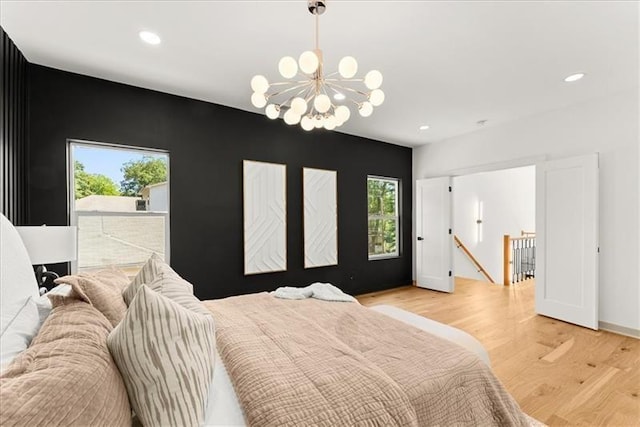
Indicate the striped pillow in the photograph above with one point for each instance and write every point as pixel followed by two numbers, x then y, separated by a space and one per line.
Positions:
pixel 178 290
pixel 166 356
pixel 173 287
pixel 147 274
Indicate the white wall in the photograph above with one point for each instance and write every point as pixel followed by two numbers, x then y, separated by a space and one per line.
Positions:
pixel 508 207
pixel 605 125
pixel 158 201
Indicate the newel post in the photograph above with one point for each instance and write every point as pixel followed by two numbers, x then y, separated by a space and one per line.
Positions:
pixel 506 256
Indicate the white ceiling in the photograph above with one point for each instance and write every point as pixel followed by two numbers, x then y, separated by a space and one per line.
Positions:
pixel 445 64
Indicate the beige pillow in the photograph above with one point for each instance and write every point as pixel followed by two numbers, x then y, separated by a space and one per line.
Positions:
pixel 147 274
pixel 166 355
pixel 67 376
pixel 102 289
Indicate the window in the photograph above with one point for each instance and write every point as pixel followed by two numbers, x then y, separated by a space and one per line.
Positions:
pixel 119 200
pixel 384 218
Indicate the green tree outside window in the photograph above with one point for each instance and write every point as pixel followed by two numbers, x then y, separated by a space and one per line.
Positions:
pixel 87 184
pixel 140 173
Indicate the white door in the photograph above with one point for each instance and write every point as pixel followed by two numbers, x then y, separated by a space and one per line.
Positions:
pixel 433 233
pixel 567 240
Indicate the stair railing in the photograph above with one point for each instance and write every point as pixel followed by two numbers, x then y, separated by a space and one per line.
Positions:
pixel 473 259
pixel 519 255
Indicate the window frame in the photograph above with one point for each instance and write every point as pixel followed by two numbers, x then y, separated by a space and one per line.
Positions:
pixel 71 200
pixel 397 218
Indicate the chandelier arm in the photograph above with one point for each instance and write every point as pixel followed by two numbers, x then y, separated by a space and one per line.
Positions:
pixel 333 84
pixel 309 94
pixel 289 89
pixel 344 80
pixel 317 31
pixel 290 82
pixel 291 98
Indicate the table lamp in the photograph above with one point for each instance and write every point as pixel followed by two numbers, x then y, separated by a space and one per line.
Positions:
pixel 49 245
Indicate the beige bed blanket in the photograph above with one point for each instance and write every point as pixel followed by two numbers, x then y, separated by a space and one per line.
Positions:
pixel 310 362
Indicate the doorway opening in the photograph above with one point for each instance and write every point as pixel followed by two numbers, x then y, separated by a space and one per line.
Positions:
pixel 565 212
pixel 488 206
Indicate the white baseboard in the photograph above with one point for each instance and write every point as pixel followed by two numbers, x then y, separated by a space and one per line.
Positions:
pixel 622 330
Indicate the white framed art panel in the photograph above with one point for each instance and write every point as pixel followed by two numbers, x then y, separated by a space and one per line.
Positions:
pixel 320 217
pixel 265 217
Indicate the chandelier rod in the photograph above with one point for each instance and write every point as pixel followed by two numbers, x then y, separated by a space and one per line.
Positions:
pixel 332 84
pixel 289 89
pixel 317 31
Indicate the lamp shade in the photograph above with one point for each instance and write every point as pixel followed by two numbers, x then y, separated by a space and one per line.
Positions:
pixel 49 245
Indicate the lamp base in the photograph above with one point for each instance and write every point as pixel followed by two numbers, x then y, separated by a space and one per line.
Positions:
pixel 45 278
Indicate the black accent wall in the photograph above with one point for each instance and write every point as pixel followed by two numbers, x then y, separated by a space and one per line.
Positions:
pixel 13 131
pixel 207 144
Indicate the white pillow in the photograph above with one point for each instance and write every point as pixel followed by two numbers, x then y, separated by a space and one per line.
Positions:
pixel 17 335
pixel 17 279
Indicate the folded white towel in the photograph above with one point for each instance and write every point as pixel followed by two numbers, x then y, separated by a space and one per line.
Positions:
pixel 289 292
pixel 328 292
pixel 323 291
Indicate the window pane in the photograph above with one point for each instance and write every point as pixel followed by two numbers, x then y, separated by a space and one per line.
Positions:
pixel 389 198
pixel 382 237
pixel 382 196
pixel 124 242
pixel 374 192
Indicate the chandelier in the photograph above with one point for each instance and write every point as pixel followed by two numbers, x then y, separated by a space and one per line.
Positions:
pixel 310 97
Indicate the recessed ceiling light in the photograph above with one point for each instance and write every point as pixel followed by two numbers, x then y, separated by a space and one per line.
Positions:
pixel 424 127
pixel 574 77
pixel 149 37
pixel 339 96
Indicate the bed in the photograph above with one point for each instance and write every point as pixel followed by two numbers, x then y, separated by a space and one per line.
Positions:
pixel 223 408
pixel 246 360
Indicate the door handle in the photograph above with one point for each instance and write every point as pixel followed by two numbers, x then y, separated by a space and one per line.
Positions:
pixel 420 238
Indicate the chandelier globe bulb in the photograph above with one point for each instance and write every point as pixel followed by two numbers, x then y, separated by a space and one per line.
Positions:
pixel 376 97
pixel 330 122
pixel 322 103
pixel 259 84
pixel 342 113
pixel 291 118
pixel 308 62
pixel 272 111
pixel 306 123
pixel 288 67
pixel 365 109
pixel 258 100
pixel 299 105
pixel 348 67
pixel 373 79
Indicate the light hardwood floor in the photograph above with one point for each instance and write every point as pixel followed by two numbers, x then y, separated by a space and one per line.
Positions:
pixel 560 374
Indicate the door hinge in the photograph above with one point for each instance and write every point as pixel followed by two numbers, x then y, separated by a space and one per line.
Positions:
pixel 449 189
pixel 598 249
pixel 449 231
pixel 449 273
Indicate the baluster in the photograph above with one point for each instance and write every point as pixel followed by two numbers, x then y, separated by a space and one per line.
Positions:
pixel 514 266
